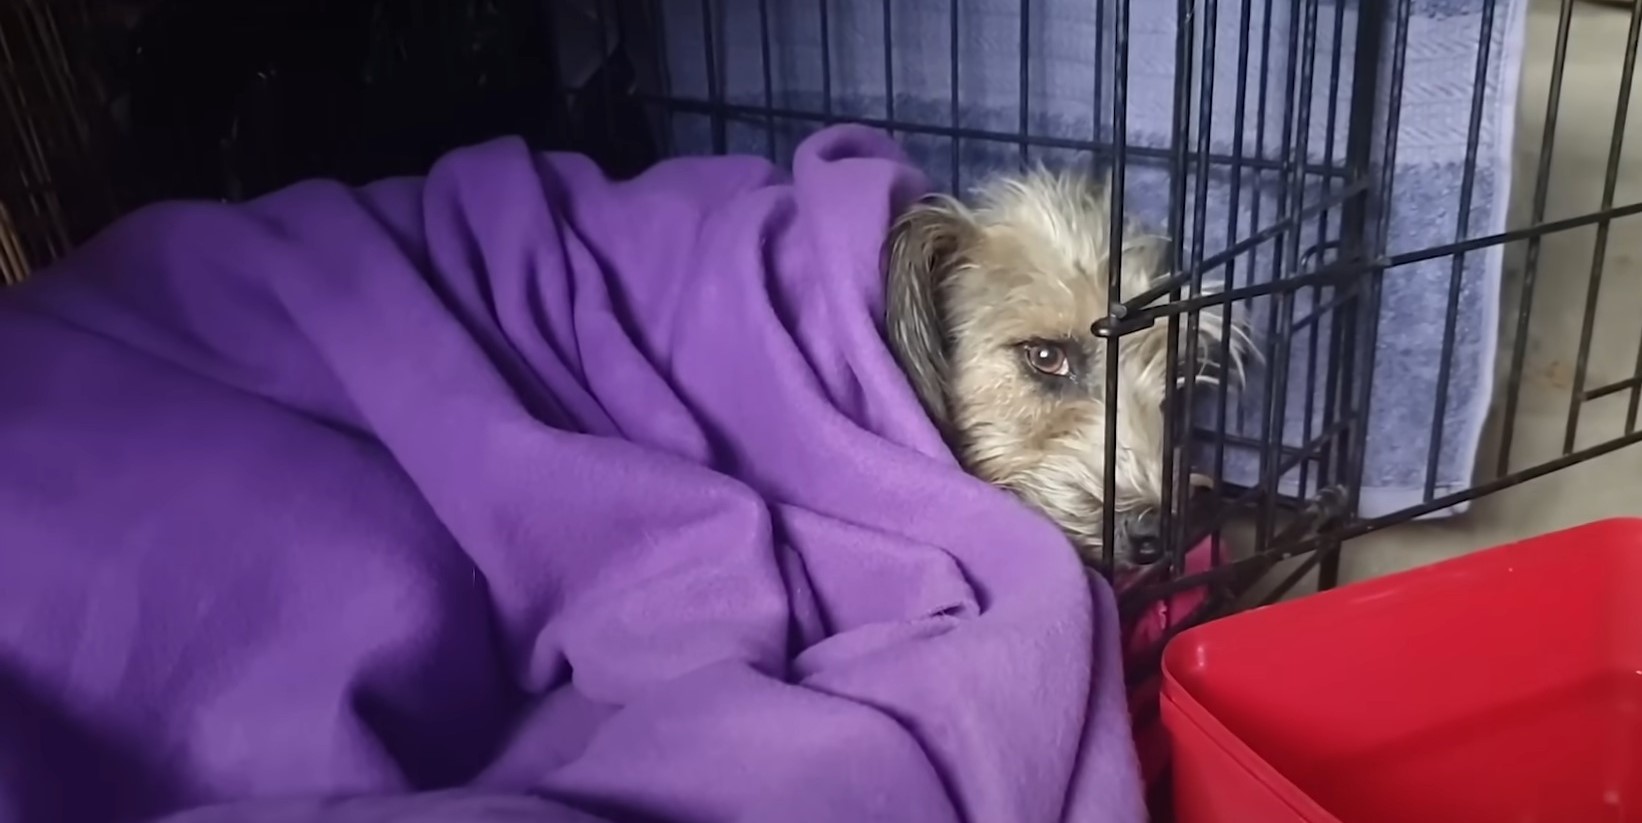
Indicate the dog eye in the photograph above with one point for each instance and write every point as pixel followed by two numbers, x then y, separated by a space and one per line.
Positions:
pixel 1049 359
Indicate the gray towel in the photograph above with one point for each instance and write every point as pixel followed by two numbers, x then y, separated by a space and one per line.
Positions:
pixel 1064 101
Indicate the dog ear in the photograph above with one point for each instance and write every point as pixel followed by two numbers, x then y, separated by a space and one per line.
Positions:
pixel 923 249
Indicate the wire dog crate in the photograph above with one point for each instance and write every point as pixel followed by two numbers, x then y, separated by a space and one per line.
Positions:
pixel 1269 139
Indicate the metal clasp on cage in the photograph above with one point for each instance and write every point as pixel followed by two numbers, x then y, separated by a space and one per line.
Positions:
pixel 1119 323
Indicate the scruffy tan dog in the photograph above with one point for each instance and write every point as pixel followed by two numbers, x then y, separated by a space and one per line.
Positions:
pixel 990 307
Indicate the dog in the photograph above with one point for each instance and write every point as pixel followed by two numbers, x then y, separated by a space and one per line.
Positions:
pixel 989 312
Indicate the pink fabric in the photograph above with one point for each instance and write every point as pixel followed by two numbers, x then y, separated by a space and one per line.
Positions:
pixel 1143 635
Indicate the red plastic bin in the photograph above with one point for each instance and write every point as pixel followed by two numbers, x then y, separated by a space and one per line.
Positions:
pixel 1500 687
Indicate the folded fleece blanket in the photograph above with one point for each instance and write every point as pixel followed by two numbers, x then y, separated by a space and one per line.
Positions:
pixel 517 494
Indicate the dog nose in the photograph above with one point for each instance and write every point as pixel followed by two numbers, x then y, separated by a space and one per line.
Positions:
pixel 1142 538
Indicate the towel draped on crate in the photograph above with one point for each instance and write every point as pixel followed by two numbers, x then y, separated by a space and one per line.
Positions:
pixel 513 493
pixel 840 59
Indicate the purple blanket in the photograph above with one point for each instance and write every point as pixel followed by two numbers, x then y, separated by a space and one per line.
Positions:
pixel 513 493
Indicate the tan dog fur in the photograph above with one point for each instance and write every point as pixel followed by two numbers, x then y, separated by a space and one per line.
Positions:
pixel 975 293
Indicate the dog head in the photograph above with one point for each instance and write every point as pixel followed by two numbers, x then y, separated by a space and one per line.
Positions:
pixel 989 312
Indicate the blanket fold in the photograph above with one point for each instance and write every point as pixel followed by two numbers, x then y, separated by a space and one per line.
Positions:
pixel 591 500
